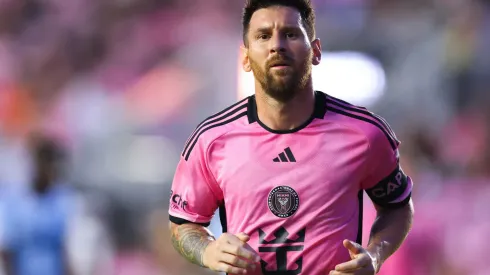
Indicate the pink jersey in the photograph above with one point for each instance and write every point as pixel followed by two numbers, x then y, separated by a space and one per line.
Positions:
pixel 297 193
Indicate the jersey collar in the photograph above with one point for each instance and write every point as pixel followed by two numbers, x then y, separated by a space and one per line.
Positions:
pixel 318 112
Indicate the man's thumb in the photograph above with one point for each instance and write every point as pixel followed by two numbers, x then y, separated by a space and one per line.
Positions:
pixel 353 247
pixel 243 237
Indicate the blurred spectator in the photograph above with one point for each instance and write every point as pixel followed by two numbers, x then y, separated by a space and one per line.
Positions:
pixel 35 220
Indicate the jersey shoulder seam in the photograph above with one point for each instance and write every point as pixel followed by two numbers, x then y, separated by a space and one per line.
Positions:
pixel 228 115
pixel 377 123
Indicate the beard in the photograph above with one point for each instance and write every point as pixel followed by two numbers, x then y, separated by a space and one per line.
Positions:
pixel 283 85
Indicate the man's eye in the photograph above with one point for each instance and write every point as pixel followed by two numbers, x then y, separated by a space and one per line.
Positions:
pixel 290 35
pixel 263 36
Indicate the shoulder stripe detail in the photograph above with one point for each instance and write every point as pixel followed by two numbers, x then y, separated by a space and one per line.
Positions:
pixel 223 111
pixel 213 116
pixel 244 113
pixel 212 119
pixel 362 110
pixel 342 112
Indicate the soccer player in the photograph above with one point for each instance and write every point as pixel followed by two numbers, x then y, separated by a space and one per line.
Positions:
pixel 287 167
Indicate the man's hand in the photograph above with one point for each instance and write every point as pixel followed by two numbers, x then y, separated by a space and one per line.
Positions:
pixel 231 253
pixel 361 263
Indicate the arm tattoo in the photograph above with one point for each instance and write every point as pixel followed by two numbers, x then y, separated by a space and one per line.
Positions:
pixel 190 240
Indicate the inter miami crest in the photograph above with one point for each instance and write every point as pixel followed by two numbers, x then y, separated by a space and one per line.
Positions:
pixel 283 201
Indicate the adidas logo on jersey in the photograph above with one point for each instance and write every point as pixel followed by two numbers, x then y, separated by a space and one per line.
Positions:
pixel 286 156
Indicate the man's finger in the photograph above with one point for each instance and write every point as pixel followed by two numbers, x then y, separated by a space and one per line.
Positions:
pixel 239 240
pixel 235 240
pixel 353 247
pixel 348 266
pixel 236 261
pixel 353 265
pixel 243 237
pixel 249 248
pixel 333 272
pixel 240 251
pixel 224 267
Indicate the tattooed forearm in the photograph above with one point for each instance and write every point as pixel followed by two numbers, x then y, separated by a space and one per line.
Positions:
pixel 388 232
pixel 190 240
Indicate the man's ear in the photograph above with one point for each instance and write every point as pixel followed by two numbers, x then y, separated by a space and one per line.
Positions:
pixel 245 60
pixel 316 45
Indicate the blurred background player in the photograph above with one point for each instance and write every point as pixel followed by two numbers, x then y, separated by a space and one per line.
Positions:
pixel 35 221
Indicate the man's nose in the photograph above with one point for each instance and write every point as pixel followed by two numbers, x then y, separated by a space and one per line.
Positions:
pixel 277 44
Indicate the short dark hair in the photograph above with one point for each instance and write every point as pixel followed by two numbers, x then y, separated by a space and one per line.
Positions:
pixel 303 6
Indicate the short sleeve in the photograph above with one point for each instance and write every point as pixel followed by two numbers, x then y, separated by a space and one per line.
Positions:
pixel 195 196
pixel 385 182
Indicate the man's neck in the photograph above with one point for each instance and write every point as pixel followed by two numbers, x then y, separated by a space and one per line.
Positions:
pixel 285 116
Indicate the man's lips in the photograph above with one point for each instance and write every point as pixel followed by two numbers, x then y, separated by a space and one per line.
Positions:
pixel 279 65
pixel 280 62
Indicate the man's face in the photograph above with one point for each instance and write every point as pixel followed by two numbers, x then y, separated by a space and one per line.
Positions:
pixel 279 52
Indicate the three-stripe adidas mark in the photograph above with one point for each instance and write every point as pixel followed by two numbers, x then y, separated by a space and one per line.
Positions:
pixel 287 157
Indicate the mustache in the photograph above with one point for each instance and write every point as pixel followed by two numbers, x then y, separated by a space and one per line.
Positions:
pixel 279 60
